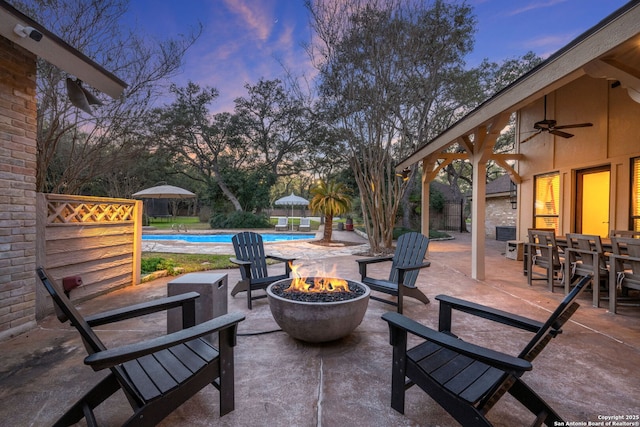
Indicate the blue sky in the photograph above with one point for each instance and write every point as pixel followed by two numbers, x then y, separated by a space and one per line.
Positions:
pixel 244 40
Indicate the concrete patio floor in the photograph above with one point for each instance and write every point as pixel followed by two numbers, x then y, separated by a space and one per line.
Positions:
pixel 589 371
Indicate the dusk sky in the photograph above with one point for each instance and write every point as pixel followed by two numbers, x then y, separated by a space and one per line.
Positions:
pixel 244 40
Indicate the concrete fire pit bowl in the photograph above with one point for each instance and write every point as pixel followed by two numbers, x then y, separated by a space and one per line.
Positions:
pixel 318 321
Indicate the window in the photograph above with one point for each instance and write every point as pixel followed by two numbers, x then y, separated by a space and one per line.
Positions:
pixel 547 203
pixel 635 194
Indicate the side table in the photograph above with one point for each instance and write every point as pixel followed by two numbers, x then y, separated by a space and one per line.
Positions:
pixel 212 303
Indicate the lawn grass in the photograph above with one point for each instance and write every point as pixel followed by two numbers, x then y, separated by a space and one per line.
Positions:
pixel 191 222
pixel 187 263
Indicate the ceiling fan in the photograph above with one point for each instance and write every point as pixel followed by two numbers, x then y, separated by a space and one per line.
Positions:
pixel 549 125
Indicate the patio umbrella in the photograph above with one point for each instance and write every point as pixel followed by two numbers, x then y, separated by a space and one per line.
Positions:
pixel 164 192
pixel 292 200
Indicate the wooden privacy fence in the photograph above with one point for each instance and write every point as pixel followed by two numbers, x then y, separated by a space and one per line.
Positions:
pixel 96 238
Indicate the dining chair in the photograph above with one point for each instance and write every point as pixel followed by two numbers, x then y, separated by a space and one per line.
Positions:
pixel 584 256
pixel 625 233
pixel 543 253
pixel 624 274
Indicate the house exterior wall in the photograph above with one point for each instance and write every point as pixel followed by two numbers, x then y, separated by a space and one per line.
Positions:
pixel 612 141
pixel 17 189
pixel 498 213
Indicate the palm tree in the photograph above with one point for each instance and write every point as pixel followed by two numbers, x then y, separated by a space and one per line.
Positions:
pixel 331 199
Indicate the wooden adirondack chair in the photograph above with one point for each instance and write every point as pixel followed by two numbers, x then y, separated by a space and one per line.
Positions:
pixel 157 375
pixel 624 266
pixel 406 263
pixel 252 260
pixel 467 380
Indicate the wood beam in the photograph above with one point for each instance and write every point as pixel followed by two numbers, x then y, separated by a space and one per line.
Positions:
pixel 612 70
pixel 446 158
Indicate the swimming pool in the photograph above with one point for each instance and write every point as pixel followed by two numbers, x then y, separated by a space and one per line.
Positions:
pixel 224 238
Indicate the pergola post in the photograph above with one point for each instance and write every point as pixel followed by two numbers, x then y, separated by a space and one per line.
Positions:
pixel 478 207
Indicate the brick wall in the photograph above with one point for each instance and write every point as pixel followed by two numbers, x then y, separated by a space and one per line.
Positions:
pixel 17 189
pixel 498 213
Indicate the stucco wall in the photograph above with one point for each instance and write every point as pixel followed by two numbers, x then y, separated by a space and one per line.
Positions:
pixel 17 189
pixel 612 141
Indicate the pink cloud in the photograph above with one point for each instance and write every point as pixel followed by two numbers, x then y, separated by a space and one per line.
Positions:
pixel 256 15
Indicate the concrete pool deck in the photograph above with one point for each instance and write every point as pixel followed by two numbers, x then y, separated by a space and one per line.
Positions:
pixel 587 372
pixel 346 243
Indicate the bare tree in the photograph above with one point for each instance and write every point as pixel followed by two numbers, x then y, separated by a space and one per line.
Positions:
pixel 388 73
pixel 74 147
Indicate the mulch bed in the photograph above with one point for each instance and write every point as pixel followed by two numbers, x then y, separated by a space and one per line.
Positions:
pixel 336 243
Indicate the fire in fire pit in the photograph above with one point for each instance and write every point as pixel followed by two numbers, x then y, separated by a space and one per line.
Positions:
pixel 318 309
pixel 317 289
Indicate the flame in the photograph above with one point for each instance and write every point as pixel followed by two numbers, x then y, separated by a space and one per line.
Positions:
pixel 322 282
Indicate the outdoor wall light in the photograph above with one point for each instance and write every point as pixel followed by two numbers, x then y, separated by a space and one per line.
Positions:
pixel 513 195
pixel 30 32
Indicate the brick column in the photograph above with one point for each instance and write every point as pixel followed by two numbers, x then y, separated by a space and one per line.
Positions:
pixel 17 189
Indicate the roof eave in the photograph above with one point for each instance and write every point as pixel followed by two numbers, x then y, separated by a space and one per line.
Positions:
pixel 559 69
pixel 57 52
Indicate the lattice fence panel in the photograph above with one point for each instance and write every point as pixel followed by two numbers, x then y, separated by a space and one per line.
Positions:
pixel 96 238
pixel 75 211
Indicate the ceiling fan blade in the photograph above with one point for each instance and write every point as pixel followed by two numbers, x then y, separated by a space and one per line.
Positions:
pixel 560 133
pixel 531 136
pixel 577 125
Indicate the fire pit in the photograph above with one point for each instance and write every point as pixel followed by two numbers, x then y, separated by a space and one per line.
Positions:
pixel 318 309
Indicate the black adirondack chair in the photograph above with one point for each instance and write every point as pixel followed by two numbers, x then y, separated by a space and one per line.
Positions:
pixel 252 260
pixel 467 380
pixel 157 375
pixel 406 263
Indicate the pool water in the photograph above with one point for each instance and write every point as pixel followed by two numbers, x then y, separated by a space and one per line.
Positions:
pixel 224 238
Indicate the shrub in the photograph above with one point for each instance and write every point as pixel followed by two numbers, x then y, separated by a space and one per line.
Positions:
pixel 150 265
pixel 436 199
pixel 239 220
pixel 433 234
pixel 399 231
